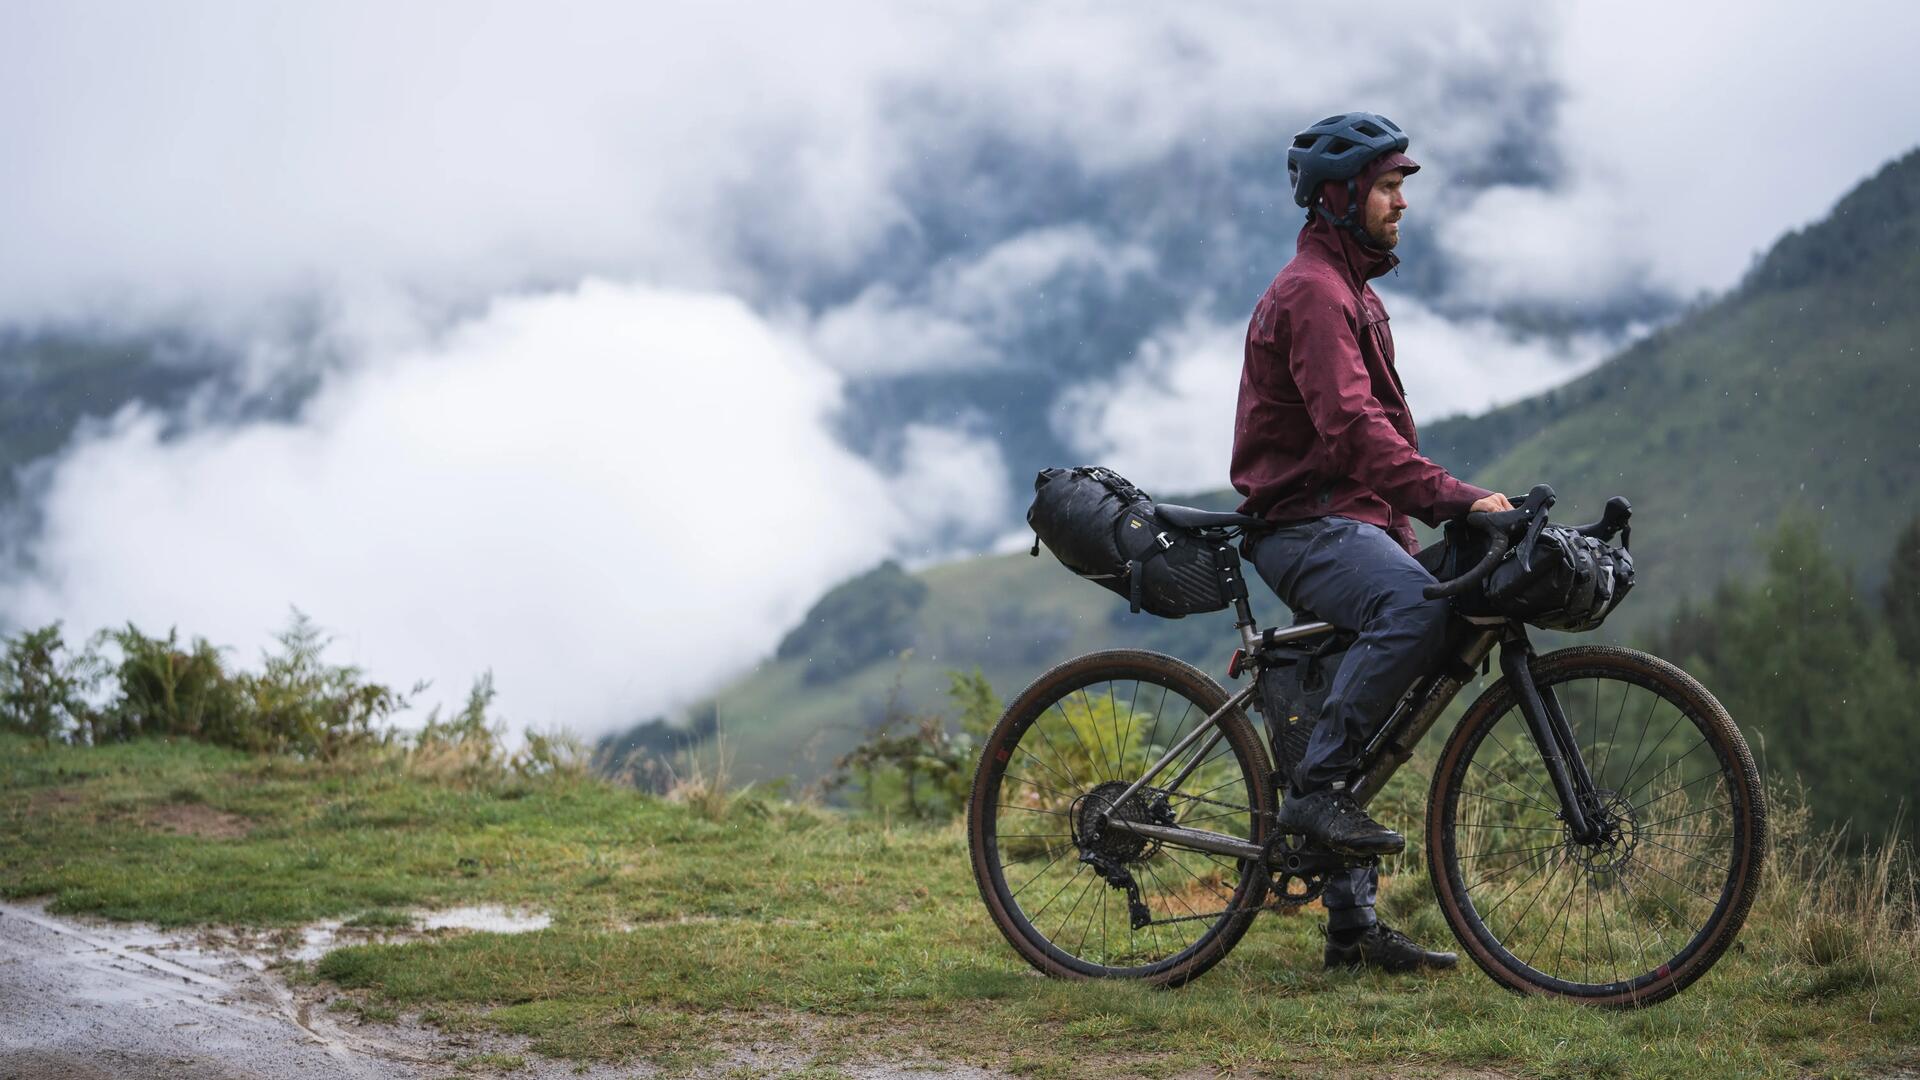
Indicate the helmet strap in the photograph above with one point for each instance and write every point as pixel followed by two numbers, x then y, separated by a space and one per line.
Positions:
pixel 1351 222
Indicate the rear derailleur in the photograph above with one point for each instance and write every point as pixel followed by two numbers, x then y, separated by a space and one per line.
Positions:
pixel 1109 851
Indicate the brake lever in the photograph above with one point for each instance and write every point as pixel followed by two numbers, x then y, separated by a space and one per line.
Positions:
pixel 1537 502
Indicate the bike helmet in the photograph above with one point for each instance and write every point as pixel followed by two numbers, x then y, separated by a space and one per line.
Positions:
pixel 1337 148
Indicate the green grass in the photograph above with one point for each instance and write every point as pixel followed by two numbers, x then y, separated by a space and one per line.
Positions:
pixel 676 935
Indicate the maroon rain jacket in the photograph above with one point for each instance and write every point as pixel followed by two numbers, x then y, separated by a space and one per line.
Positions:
pixel 1322 427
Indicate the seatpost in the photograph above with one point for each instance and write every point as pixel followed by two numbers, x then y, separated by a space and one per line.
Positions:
pixel 1227 562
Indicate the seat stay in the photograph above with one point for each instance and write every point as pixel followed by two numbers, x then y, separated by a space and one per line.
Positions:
pixel 1210 724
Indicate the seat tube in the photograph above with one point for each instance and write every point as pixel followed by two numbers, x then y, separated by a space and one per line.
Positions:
pixel 1546 726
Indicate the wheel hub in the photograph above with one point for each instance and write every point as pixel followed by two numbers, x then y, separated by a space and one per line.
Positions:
pixel 1092 811
pixel 1616 834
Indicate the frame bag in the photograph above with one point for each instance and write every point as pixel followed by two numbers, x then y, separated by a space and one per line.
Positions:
pixel 1104 529
pixel 1291 698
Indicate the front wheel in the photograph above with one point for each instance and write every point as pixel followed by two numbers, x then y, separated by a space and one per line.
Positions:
pixel 1635 914
pixel 1059 760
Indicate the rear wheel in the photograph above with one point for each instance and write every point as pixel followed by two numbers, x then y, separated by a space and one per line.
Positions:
pixel 1634 915
pixel 1066 750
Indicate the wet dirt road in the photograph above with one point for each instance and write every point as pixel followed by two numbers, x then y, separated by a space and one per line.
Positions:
pixel 79 1000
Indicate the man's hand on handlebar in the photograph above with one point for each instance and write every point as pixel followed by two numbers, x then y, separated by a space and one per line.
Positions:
pixel 1495 501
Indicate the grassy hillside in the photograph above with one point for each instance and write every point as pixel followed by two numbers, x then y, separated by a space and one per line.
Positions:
pixel 1796 388
pixel 680 930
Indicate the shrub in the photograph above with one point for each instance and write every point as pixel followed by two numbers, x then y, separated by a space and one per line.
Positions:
pixel 913 765
pixel 301 703
pixel 44 685
pixel 166 689
pixel 298 703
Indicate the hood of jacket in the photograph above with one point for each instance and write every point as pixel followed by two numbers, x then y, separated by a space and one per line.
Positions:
pixel 1362 262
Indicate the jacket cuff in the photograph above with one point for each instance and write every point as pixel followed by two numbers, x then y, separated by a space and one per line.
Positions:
pixel 1456 497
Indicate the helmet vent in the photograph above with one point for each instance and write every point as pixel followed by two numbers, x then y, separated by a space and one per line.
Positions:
pixel 1339 145
pixel 1305 142
pixel 1367 129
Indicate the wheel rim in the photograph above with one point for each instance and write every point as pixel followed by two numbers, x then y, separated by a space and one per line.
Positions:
pixel 1626 909
pixel 1065 764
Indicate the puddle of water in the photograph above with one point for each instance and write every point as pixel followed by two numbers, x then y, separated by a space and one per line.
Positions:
pixel 321 938
pixel 490 918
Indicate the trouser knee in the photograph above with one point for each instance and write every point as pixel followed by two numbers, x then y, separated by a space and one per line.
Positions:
pixel 1416 616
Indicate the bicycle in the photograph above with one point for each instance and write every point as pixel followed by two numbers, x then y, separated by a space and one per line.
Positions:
pixel 1612 865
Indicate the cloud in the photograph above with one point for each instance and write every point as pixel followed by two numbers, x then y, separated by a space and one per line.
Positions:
pixel 1165 421
pixel 1691 136
pixel 1468 365
pixel 213 154
pixel 614 496
pixel 970 312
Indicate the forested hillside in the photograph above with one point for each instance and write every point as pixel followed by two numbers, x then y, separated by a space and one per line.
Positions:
pixel 1796 390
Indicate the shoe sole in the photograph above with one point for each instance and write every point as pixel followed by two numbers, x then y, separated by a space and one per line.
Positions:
pixel 1348 849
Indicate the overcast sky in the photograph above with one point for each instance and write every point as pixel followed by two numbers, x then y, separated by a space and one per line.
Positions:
pixel 594 275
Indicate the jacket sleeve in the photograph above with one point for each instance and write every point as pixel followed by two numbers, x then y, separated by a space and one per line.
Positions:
pixel 1361 442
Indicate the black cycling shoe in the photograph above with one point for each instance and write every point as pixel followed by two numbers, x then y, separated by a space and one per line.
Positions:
pixel 1388 949
pixel 1332 818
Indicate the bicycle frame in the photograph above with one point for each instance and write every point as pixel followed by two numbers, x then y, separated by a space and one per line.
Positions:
pixel 1393 744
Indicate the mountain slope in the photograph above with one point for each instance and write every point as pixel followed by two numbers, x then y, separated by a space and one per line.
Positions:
pixel 1799 387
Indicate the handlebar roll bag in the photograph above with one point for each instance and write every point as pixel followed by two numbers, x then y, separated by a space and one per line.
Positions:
pixel 1104 529
pixel 1567 582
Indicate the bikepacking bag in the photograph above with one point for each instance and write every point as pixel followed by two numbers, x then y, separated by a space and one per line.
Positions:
pixel 1104 529
pixel 1569 581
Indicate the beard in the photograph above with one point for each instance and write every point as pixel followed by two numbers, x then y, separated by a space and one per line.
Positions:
pixel 1384 236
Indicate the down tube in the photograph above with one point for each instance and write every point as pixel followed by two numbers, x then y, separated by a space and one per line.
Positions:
pixel 1404 732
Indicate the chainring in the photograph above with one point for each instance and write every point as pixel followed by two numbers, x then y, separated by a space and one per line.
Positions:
pixel 1294 876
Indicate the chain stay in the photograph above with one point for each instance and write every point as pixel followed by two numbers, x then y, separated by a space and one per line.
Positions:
pixel 1141 916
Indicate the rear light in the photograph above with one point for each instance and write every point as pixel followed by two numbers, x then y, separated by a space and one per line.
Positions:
pixel 1236 663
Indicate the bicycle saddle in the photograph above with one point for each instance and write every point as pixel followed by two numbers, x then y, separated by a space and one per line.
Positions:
pixel 1187 517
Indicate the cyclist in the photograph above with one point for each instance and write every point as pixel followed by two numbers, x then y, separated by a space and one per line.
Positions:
pixel 1325 446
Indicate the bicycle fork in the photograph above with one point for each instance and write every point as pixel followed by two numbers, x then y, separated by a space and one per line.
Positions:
pixel 1552 736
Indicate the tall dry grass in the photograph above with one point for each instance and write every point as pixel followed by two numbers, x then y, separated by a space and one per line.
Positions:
pixel 1848 909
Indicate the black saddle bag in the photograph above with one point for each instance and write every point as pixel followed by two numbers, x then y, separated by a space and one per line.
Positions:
pixel 1104 529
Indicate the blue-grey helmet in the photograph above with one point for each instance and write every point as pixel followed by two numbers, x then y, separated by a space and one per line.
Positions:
pixel 1337 148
